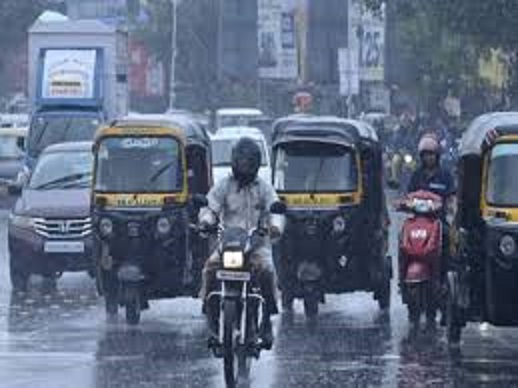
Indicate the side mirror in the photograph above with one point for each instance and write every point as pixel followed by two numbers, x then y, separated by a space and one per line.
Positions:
pixel 20 142
pixel 14 190
pixel 393 184
pixel 199 201
pixel 278 208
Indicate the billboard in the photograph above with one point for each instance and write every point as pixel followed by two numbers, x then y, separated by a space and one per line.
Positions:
pixel 69 74
pixel 277 39
pixel 367 35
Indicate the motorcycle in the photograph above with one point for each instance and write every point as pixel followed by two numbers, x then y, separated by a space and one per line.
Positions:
pixel 401 166
pixel 420 254
pixel 236 308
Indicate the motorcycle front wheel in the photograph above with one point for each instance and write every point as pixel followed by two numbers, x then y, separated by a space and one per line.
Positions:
pixel 231 358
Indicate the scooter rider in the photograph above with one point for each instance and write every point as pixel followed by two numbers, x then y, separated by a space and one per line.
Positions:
pixel 240 200
pixel 431 176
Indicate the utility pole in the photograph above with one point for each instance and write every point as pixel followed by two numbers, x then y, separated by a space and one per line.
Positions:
pixel 219 64
pixel 172 85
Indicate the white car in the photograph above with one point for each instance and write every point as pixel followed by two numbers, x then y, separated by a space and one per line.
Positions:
pixel 223 141
pixel 227 117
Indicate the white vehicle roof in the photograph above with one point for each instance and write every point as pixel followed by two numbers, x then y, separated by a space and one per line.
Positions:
pixel 237 132
pixel 239 112
pixel 14 120
pixel 14 131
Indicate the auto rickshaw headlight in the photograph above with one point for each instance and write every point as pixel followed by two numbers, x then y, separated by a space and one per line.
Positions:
pixel 163 225
pixel 507 245
pixel 106 227
pixel 339 225
pixel 233 259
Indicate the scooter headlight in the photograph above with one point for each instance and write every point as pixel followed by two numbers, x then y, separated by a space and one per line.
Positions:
pixel 106 227
pixel 163 225
pixel 507 246
pixel 339 225
pixel 233 260
pixel 408 158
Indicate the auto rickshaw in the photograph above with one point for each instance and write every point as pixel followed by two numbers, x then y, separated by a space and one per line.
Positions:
pixel 328 171
pixel 483 276
pixel 148 172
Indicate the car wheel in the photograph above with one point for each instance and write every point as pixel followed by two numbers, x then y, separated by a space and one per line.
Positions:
pixel 19 277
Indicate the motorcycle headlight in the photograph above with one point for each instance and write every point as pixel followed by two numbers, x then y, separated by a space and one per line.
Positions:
pixel 22 221
pixel 507 245
pixel 163 225
pixel 339 225
pixel 106 227
pixel 233 260
pixel 408 158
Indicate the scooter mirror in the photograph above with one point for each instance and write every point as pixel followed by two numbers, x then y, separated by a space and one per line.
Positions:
pixel 278 208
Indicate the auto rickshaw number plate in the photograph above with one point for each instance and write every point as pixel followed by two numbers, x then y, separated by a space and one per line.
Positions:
pixel 233 276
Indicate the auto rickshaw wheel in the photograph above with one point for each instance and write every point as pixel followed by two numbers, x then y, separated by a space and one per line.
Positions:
pixel 311 301
pixel 384 295
pixel 287 301
pixel 19 278
pixel 453 312
pixel 133 307
pixel 111 304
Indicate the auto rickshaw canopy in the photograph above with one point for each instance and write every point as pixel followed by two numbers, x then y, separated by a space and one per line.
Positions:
pixel 323 128
pixel 499 123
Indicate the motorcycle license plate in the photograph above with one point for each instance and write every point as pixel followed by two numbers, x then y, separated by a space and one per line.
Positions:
pixel 64 247
pixel 233 276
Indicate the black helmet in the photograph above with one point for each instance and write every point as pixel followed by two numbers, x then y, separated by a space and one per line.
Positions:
pixel 246 160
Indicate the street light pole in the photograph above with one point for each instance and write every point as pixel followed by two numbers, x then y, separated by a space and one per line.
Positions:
pixel 172 85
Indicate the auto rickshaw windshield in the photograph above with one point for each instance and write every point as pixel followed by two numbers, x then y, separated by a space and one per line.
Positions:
pixel 315 167
pixel 139 165
pixel 502 185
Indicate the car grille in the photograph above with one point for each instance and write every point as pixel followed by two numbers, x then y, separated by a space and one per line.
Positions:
pixel 63 229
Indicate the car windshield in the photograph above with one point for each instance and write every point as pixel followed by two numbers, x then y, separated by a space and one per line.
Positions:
pixel 52 129
pixel 222 152
pixel 9 148
pixel 502 185
pixel 62 170
pixel 315 167
pixel 139 165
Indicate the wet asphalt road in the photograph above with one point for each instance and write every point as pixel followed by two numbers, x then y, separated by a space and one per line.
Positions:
pixel 61 339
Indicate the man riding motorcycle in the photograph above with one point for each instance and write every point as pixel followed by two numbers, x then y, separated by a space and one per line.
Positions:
pixel 431 176
pixel 241 200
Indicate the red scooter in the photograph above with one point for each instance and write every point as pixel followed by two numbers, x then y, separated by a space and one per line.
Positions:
pixel 420 256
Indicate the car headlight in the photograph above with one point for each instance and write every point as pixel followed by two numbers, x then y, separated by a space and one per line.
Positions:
pixel 507 245
pixel 105 227
pixel 22 221
pixel 339 224
pixel 163 225
pixel 233 260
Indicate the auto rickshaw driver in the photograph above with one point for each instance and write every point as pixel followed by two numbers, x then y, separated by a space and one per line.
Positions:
pixel 239 200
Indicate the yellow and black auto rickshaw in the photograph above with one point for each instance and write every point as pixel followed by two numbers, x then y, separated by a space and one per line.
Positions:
pixel 483 278
pixel 148 171
pixel 329 171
